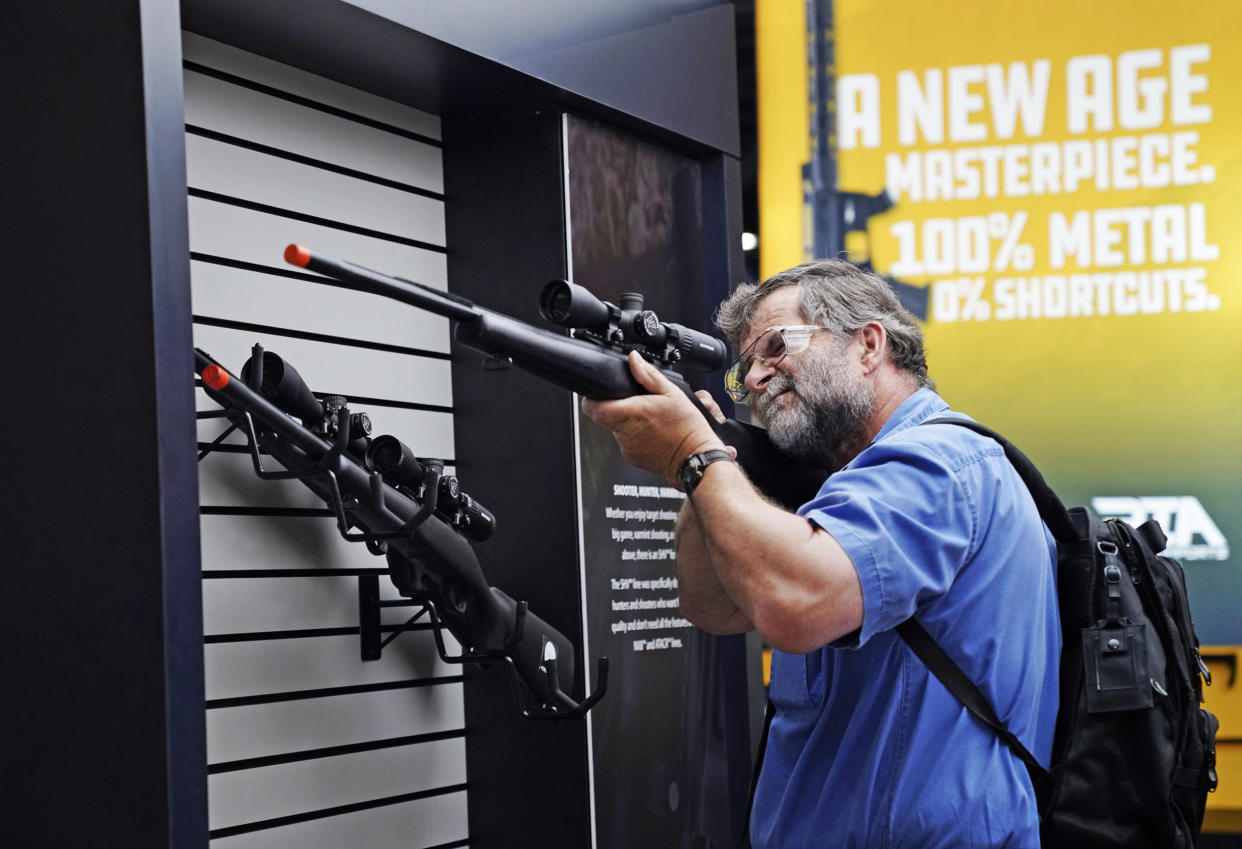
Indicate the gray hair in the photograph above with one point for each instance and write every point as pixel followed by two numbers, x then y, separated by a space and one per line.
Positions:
pixel 840 296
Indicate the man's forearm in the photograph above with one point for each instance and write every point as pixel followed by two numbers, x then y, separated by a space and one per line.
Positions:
pixel 703 598
pixel 790 579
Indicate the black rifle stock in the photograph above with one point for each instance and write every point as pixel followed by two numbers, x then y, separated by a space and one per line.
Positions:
pixel 429 559
pixel 595 367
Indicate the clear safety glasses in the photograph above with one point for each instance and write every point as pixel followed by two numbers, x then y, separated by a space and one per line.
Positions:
pixel 772 346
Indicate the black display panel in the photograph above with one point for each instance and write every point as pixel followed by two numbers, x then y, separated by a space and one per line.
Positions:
pixel 660 776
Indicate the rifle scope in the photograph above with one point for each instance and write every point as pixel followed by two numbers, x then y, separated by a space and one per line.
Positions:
pixel 283 386
pixel 571 305
pixel 393 459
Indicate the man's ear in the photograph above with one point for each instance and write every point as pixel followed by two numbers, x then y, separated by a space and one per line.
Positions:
pixel 874 340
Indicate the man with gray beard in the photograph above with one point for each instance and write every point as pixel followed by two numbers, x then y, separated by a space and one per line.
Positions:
pixel 866 748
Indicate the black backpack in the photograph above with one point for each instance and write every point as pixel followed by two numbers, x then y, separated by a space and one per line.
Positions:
pixel 1134 754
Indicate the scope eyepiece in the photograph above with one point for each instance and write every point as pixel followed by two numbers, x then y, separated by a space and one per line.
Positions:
pixel 698 350
pixel 283 386
pixel 571 305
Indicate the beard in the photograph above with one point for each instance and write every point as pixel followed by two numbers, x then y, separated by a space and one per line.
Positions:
pixel 821 414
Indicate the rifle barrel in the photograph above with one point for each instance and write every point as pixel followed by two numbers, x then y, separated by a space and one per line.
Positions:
pixel 365 280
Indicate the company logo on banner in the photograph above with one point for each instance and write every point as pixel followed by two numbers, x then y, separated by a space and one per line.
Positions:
pixel 1191 532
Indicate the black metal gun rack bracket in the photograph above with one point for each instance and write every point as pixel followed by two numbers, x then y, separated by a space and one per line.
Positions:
pixel 370 605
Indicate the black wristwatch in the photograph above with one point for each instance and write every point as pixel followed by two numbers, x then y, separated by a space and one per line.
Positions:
pixel 691 471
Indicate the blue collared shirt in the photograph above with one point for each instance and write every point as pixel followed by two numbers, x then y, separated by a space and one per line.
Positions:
pixel 868 750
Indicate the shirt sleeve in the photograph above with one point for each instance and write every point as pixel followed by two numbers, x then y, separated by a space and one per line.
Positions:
pixel 907 522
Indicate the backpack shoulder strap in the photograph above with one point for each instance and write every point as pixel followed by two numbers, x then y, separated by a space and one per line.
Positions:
pixel 964 690
pixel 1051 510
pixel 1054 514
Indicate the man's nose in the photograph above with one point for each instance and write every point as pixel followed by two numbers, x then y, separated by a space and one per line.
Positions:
pixel 759 376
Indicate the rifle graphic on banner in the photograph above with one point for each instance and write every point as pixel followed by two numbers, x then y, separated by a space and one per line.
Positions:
pixel 830 213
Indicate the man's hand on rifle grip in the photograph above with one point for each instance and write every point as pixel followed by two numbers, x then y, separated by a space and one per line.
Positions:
pixel 658 431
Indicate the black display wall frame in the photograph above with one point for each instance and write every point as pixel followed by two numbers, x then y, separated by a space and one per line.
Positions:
pixel 104 691
pixel 528 781
pixel 506 228
pixel 108 694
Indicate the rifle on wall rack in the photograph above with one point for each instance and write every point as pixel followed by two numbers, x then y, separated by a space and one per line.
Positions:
pixel 404 508
pixel 592 360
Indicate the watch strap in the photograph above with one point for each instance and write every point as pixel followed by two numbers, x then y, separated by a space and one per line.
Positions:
pixel 692 468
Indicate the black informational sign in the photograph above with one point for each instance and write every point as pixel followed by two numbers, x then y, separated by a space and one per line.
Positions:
pixel 656 741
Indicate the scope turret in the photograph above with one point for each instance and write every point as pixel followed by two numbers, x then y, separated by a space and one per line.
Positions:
pixel 629 325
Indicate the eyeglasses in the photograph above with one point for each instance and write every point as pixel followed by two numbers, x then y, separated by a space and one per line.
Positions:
pixel 772 346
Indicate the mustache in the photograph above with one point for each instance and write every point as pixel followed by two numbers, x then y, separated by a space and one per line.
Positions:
pixel 778 384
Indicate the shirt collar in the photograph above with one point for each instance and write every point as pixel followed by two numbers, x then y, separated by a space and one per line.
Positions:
pixel 919 407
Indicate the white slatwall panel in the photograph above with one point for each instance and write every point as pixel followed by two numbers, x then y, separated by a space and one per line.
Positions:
pixel 258 237
pixel 308 746
pixel 300 787
pixel 330 367
pixel 310 133
pixel 325 310
pixel 422 822
pixel 254 669
pixel 268 179
pixel 279 542
pixel 352 719
pixel 255 605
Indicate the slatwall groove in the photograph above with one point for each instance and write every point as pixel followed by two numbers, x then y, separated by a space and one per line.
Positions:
pixel 246 235
pixel 337 368
pixel 261 269
pixel 208 574
pixel 292 605
pixel 251 636
pixel 260 670
pixel 323 165
pixel 294 215
pixel 276 822
pixel 281 94
pixel 298 695
pixel 292 333
pixel 356 400
pixel 312 754
pixel 332 783
pixel 308 746
pixel 263 295
pixel 284 512
pixel 263 543
pixel 419 824
pixel 318 92
pixel 276 728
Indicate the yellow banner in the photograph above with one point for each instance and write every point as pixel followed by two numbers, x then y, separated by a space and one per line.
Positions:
pixel 1066 180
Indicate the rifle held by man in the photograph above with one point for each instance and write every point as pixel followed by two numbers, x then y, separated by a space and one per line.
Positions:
pixel 592 361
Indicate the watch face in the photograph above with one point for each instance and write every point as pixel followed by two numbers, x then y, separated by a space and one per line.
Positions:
pixel 690 472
